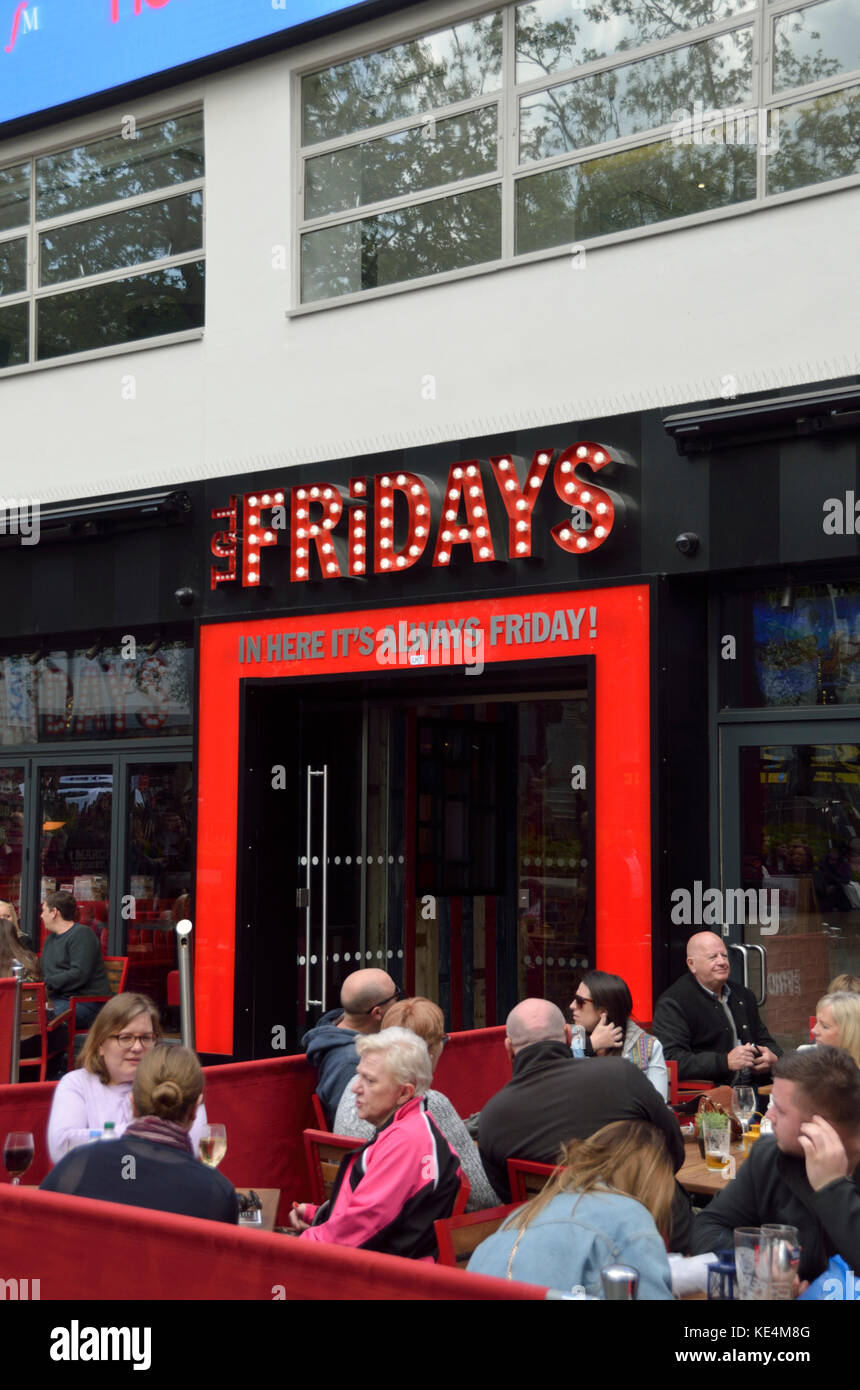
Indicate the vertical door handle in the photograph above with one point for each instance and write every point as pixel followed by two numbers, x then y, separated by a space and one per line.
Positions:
pixel 323 773
pixel 754 946
pixel 733 946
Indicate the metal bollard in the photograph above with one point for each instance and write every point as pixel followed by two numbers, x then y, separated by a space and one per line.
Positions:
pixel 186 982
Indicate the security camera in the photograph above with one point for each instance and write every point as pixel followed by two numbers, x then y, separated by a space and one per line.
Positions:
pixel 184 597
pixel 687 543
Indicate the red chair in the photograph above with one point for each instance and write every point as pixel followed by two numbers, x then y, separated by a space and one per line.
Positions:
pixel 527 1179
pixel 458 1236
pixel 117 973
pixel 34 1016
pixel 9 1024
pixel 813 1019
pixel 324 1152
pixel 173 989
pixel 319 1113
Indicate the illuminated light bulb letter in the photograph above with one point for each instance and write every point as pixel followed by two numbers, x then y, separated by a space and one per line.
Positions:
pixel 224 545
pixel 464 485
pixel 307 530
pixel 519 503
pixel 600 506
pixel 257 532
pixel 414 490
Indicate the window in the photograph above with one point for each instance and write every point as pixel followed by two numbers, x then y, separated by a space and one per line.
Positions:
pixel 541 124
pixel 101 244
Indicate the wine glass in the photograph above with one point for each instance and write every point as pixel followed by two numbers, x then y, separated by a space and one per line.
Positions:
pixel 18 1152
pixel 213 1145
pixel 743 1104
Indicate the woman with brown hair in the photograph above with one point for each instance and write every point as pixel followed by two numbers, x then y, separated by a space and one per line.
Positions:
pixel 98 1091
pixel 13 949
pixel 155 1150
pixel 609 1202
pixel 425 1018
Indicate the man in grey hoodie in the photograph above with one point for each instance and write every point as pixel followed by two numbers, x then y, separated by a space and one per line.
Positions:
pixel 365 996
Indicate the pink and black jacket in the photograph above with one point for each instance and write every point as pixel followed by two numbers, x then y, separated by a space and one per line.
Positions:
pixel 388 1194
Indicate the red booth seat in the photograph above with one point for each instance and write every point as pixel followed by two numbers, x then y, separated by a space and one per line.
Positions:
pixel 78 1248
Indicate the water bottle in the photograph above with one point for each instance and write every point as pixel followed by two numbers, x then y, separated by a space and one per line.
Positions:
pixel 577 1040
pixel 95 1134
pixel 109 1130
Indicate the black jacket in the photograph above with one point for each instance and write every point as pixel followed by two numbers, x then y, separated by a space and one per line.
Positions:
pixel 772 1188
pixel 161 1177
pixel 693 1028
pixel 553 1098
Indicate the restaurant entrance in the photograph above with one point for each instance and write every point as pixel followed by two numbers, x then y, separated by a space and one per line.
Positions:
pixel 443 837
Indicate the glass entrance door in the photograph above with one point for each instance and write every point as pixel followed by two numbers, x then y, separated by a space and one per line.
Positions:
pixel 443 838
pixel 791 840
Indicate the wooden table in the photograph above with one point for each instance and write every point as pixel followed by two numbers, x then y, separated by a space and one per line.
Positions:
pixel 694 1176
pixel 269 1196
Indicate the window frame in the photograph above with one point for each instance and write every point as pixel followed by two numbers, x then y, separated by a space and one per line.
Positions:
pixel 33 229
pixel 759 15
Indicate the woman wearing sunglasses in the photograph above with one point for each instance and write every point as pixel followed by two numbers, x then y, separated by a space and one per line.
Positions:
pixel 602 1006
pixel 99 1089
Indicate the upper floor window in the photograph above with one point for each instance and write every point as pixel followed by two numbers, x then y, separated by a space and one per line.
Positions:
pixel 101 244
pixel 539 125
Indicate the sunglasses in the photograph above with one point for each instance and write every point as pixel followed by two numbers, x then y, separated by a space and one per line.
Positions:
pixel 392 999
pixel 578 999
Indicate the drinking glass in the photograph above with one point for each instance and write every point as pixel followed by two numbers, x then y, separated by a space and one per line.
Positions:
pixel 749 1263
pixel 743 1104
pixel 213 1145
pixel 781 1253
pixel 18 1152
pixel 717 1147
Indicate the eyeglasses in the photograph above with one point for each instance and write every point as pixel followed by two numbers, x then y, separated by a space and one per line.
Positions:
pixel 578 999
pixel 392 999
pixel 128 1040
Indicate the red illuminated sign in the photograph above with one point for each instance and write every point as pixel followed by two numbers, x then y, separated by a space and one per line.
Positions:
pixel 391 519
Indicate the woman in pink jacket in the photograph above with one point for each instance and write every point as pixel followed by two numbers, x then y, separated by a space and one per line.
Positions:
pixel 388 1194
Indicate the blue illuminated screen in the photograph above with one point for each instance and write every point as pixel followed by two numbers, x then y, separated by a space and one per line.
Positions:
pixel 58 51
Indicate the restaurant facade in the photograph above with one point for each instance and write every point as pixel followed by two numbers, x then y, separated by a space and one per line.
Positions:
pixel 469 608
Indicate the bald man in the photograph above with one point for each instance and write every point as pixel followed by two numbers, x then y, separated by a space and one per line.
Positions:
pixel 554 1097
pixel 365 997
pixel 710 1027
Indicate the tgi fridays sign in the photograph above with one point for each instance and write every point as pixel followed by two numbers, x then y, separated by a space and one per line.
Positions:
pixel 393 518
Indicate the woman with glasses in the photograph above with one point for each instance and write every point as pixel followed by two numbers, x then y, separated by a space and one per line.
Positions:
pixel 602 1006
pixel 166 1098
pixel 425 1018
pixel 98 1091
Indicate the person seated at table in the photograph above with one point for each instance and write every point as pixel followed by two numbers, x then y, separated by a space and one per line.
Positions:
pixel 425 1018
pixel 13 950
pixel 8 913
pixel 808 1174
pixel 602 1005
pixel 72 961
pixel 710 1027
pixel 365 997
pixel 842 984
pixel 609 1202
pixel 153 1164
pixel 99 1089
pixel 837 1022
pixel 388 1194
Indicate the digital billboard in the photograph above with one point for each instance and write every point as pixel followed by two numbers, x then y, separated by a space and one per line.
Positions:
pixel 53 52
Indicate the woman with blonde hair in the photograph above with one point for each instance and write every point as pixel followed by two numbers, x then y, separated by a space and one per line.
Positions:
pixel 608 1202
pixel 425 1018
pixel 166 1099
pixel 13 949
pixel 837 1022
pixel 98 1091
pixel 8 913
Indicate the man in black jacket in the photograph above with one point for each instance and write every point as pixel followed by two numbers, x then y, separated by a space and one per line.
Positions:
pixel 553 1098
pixel 710 1028
pixel 808 1175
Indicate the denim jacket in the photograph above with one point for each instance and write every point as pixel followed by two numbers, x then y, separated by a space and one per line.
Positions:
pixel 573 1238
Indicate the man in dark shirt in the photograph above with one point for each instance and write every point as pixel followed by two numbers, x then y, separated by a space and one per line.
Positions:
pixel 365 998
pixel 711 1028
pixel 808 1174
pixel 71 958
pixel 553 1098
